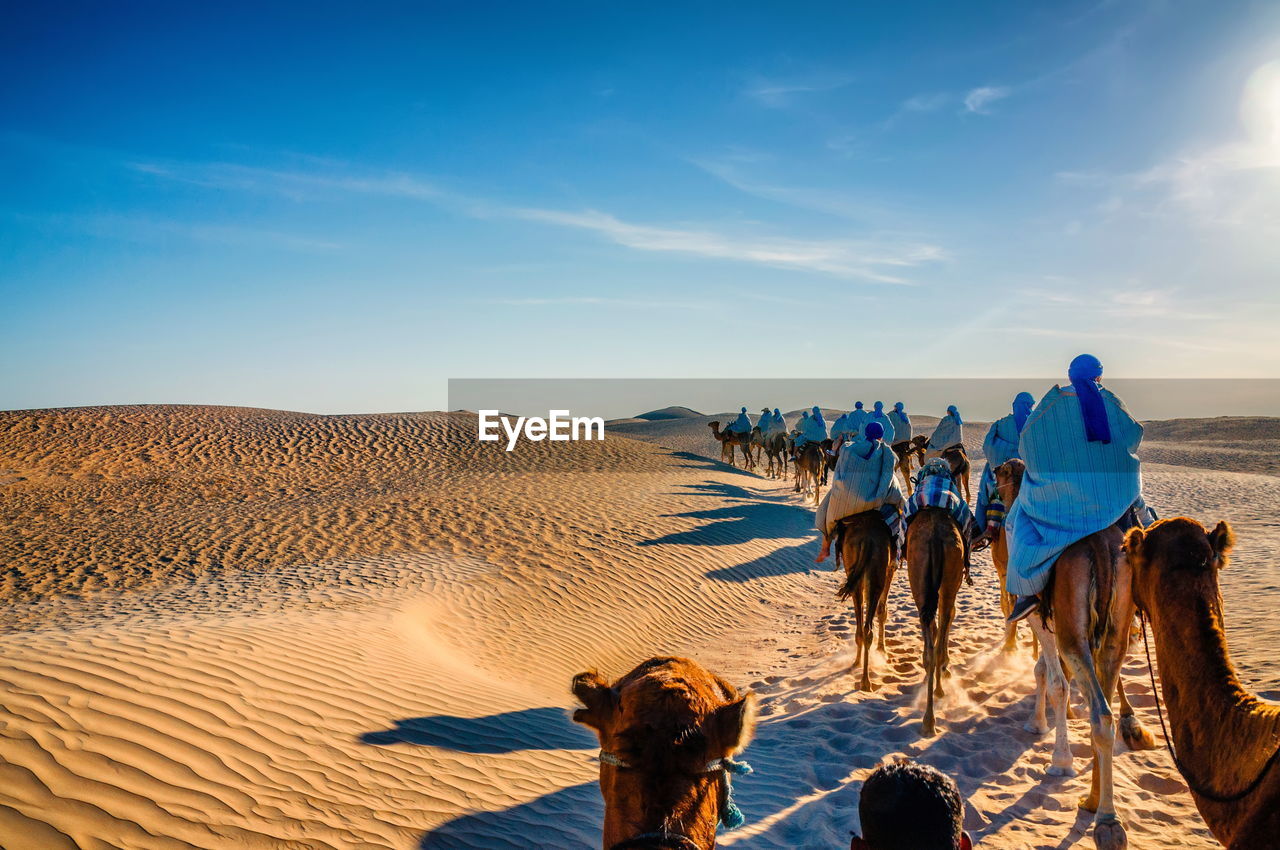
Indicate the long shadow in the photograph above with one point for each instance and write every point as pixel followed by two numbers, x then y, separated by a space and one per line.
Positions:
pixel 793 560
pixel 528 729
pixel 709 464
pixel 730 491
pixel 573 814
pixel 740 523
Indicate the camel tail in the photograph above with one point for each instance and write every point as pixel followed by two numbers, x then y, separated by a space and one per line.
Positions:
pixel 1102 582
pixel 933 578
pixel 855 568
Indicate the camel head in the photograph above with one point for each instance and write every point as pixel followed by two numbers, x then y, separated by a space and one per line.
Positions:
pixel 1009 480
pixel 715 429
pixel 1174 558
pixel 664 729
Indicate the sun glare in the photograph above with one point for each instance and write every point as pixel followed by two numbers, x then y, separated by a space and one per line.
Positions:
pixel 1260 104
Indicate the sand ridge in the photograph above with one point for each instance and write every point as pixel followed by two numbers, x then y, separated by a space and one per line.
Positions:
pixel 374 645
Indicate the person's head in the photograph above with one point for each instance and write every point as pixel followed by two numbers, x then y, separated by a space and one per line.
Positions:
pixel 874 431
pixel 1023 401
pixel 1086 367
pixel 777 412
pixel 765 411
pixel 953 410
pixel 857 405
pixel 879 407
pixel 744 410
pixel 898 406
pixel 816 411
pixel 804 415
pixel 910 806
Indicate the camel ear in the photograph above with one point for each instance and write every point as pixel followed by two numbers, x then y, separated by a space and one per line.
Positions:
pixel 1222 538
pixel 735 723
pixel 593 691
pixel 1133 543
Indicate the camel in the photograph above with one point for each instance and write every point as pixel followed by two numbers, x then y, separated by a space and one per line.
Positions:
pixel 730 439
pixel 863 545
pixel 959 460
pixel 1084 629
pixel 1008 482
pixel 905 450
pixel 809 467
pixel 1226 738
pixel 935 567
pixel 774 447
pixel 668 731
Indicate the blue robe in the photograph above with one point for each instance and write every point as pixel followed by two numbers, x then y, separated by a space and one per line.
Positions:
pixel 857 422
pixel 887 424
pixel 1000 445
pixel 864 479
pixel 840 427
pixel 814 430
pixel 901 426
pixel 741 425
pixel 948 433
pixel 1072 487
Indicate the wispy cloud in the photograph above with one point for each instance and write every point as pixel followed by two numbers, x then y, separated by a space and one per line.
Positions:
pixel 875 260
pixel 736 169
pixel 778 93
pixel 1132 301
pixel 979 100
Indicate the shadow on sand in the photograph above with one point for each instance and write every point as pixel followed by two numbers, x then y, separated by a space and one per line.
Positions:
pixel 706 463
pixel 573 814
pixel 546 728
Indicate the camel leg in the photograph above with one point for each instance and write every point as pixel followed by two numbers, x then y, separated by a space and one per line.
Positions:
pixel 1039 723
pixel 946 612
pixel 882 615
pixel 867 626
pixel 1108 831
pixel 1135 735
pixel 928 728
pixel 1080 659
pixel 1055 686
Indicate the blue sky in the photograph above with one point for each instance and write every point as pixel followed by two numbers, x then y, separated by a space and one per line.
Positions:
pixel 337 208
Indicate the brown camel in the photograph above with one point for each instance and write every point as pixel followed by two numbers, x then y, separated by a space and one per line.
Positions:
pixel 1008 483
pixel 959 460
pixel 1226 738
pixel 935 568
pixel 809 465
pixel 668 733
pixel 905 450
pixel 863 545
pixel 775 448
pixel 730 439
pixel 1088 614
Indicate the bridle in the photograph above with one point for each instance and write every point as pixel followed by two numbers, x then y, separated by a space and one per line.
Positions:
pixel 1195 786
pixel 730 815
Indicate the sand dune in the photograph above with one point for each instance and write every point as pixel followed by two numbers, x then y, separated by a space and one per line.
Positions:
pixel 246 628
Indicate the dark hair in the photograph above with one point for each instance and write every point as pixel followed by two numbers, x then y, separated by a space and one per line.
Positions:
pixel 911 806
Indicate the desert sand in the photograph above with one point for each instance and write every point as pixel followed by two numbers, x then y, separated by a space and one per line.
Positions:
pixel 243 628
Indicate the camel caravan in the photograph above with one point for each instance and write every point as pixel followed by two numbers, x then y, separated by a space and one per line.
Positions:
pixel 1082 561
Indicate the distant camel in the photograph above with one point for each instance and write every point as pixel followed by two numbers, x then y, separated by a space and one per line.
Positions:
pixel 809 467
pixel 1008 483
pixel 959 460
pixel 907 449
pixel 729 439
pixel 668 731
pixel 1226 738
pixel 863 545
pixel 935 567
pixel 775 449
pixel 1088 614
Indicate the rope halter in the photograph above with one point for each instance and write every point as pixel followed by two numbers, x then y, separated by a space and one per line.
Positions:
pixel 730 815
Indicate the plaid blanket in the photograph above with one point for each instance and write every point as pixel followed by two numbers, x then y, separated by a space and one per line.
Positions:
pixel 938 491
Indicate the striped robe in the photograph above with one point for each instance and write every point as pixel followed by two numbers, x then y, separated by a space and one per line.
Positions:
pixel 860 483
pixel 1072 487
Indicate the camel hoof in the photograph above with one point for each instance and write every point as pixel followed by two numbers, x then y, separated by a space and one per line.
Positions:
pixel 1036 728
pixel 1108 834
pixel 1061 770
pixel 1087 804
pixel 865 685
pixel 1136 736
pixel 928 729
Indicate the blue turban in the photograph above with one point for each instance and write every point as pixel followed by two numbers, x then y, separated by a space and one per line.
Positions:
pixel 744 410
pixel 897 405
pixel 874 431
pixel 1022 404
pixel 1084 372
pixel 879 407
pixel 953 410
pixel 817 414
pixel 776 412
pixel 858 405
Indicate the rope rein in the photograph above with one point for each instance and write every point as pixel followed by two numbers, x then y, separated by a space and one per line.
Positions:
pixel 730 815
pixel 1168 741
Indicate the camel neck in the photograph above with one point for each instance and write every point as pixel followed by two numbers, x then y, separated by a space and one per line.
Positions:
pixel 1223 734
